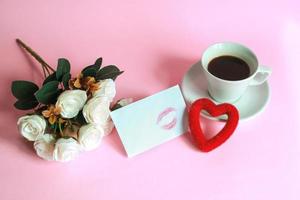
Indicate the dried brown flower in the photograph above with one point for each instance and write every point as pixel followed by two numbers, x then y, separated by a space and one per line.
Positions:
pixel 52 113
pixel 88 83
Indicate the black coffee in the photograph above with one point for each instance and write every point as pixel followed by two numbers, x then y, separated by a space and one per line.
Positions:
pixel 229 68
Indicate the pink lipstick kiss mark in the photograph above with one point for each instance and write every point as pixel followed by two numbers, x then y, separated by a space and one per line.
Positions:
pixel 167 113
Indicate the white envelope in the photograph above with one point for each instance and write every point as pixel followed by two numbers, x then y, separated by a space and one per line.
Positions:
pixel 151 121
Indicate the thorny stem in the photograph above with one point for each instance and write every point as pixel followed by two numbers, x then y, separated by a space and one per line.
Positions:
pixel 45 65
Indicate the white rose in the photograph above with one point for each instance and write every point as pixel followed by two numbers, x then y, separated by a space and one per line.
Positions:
pixel 125 101
pixel 31 126
pixel 66 149
pixel 71 102
pixel 90 136
pixel 108 126
pixel 44 146
pixel 107 89
pixel 96 110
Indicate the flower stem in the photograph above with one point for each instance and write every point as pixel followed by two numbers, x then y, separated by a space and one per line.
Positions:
pixel 55 127
pixel 60 129
pixel 45 65
pixel 44 72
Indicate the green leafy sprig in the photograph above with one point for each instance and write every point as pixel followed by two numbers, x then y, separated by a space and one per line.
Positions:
pixel 29 95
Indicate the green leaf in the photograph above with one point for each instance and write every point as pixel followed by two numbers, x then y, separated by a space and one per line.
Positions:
pixel 23 89
pixel 26 104
pixel 91 67
pixel 51 77
pixel 89 72
pixel 65 80
pixel 98 62
pixel 48 93
pixel 107 72
pixel 115 75
pixel 63 67
pixel 48 98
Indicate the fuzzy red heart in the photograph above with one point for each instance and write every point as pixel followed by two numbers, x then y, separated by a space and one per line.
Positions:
pixel 214 110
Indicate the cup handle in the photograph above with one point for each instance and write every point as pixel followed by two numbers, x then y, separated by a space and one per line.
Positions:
pixel 261 75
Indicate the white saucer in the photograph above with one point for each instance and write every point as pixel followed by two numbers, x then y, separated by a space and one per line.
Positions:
pixel 194 86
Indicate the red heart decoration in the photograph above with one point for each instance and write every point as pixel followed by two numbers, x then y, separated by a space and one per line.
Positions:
pixel 214 110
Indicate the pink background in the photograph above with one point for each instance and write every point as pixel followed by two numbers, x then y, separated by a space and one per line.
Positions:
pixel 155 42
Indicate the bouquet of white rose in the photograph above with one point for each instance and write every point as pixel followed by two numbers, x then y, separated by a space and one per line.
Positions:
pixel 70 115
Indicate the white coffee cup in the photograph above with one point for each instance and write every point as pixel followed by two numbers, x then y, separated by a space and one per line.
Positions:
pixel 226 90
